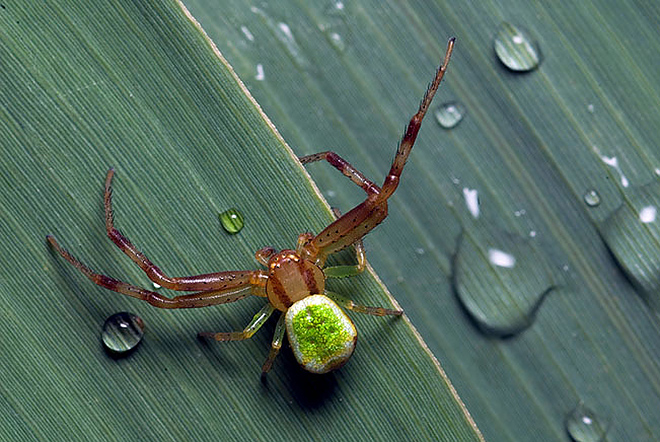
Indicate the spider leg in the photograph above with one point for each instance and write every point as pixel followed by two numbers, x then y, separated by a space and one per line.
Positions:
pixel 257 321
pixel 350 305
pixel 237 289
pixel 278 339
pixel 209 281
pixel 409 137
pixel 359 221
pixel 345 168
pixel 345 271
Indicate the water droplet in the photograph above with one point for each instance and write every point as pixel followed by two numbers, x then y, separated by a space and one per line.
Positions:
pixel 516 49
pixel 614 162
pixel 232 221
pixel 472 201
pixel 247 33
pixel 333 25
pixel 592 198
pixel 420 251
pixel 448 115
pixel 501 282
pixel 632 233
pixel 260 73
pixel 532 233
pixel 337 41
pixel 156 286
pixel 591 108
pixel 647 214
pixel 583 425
pixel 282 32
pixel 122 332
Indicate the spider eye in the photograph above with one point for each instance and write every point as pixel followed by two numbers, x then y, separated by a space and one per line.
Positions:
pixel 322 337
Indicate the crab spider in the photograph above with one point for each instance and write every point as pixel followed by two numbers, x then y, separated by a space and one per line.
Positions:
pixel 321 335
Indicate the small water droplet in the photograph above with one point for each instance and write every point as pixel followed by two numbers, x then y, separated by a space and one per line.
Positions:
pixel 532 233
pixel 247 33
pixel 591 108
pixel 448 115
pixel 420 251
pixel 632 233
pixel 516 49
pixel 282 32
pixel 501 282
pixel 156 286
pixel 122 332
pixel 583 425
pixel 331 193
pixel 337 41
pixel 472 201
pixel 592 198
pixel 232 221
pixel 260 73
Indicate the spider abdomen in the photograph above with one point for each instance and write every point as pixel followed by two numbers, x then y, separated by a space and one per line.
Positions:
pixel 292 278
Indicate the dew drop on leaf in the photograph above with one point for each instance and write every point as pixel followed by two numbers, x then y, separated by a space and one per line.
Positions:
pixel 592 198
pixel 516 49
pixel 232 221
pixel 583 425
pixel 632 233
pixel 501 282
pixel 449 114
pixel 122 332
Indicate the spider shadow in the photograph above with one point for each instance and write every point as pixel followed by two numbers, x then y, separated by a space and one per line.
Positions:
pixel 308 390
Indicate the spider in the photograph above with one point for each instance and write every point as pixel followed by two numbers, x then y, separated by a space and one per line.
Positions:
pixel 320 334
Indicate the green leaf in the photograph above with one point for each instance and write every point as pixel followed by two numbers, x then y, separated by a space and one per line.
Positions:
pixel 532 145
pixel 139 87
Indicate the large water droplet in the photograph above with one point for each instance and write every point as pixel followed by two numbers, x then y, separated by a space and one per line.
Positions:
pixel 448 115
pixel 122 332
pixel 583 425
pixel 501 282
pixel 592 198
pixel 516 49
pixel 632 233
pixel 232 221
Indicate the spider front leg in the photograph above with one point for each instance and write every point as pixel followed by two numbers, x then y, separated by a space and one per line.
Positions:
pixel 240 287
pixel 210 281
pixel 352 226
